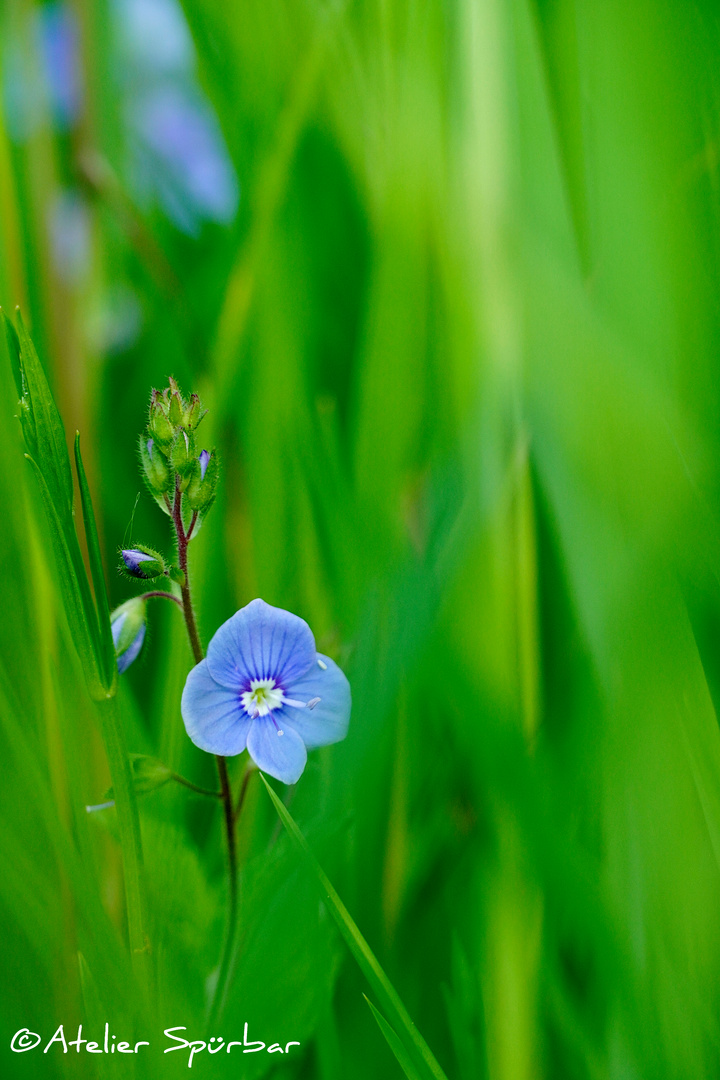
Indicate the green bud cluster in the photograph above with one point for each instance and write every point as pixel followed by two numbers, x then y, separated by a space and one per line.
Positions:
pixel 169 455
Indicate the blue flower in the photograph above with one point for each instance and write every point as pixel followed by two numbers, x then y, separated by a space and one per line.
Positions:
pixel 127 623
pixel 264 686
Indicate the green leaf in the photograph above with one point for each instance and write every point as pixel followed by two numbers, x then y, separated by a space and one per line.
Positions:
pixel 52 451
pixel 13 348
pixel 105 639
pixel 360 949
pixel 129 826
pixel 94 644
pixel 75 592
pixel 404 1060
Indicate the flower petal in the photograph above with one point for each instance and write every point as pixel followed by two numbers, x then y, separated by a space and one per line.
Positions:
pixel 125 659
pixel 260 642
pixel 214 718
pixel 116 627
pixel 281 755
pixel 327 722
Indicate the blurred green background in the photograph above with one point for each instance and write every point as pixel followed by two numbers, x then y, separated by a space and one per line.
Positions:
pixel 446 274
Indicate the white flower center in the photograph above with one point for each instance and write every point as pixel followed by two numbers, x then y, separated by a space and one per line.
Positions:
pixel 262 697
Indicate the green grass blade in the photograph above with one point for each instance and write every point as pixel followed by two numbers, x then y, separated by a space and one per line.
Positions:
pixel 129 826
pixel 52 452
pixel 105 641
pixel 113 736
pixel 403 1058
pixel 74 590
pixel 360 949
pixel 13 349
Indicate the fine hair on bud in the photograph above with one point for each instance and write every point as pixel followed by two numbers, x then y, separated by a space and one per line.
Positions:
pixel 142 562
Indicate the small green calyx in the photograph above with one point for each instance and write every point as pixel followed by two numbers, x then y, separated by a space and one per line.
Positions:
pixel 176 410
pixel 182 456
pixel 203 484
pixel 160 429
pixel 194 413
pixel 155 468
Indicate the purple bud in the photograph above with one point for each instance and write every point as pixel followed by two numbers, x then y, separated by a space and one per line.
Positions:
pixel 204 458
pixel 128 631
pixel 125 659
pixel 140 564
pixel 149 447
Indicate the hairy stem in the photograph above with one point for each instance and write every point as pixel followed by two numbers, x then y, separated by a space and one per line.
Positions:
pixel 183 539
pixel 160 594
pixel 182 542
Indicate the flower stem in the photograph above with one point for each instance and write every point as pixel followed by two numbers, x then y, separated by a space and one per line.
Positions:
pixel 160 593
pixel 182 542
pixel 195 787
pixel 183 539
pixel 243 790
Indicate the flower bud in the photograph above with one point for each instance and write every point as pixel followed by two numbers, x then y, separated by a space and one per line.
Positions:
pixel 160 429
pixel 182 455
pixel 142 562
pixel 127 623
pixel 148 774
pixel 155 467
pixel 176 410
pixel 193 413
pixel 203 484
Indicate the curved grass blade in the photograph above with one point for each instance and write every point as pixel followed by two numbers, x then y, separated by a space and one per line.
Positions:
pixel 51 447
pixel 105 641
pixel 403 1058
pixel 75 592
pixel 92 637
pixel 360 949
pixel 113 736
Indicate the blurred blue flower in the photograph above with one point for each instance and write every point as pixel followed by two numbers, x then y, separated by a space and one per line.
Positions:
pixel 203 459
pixel 264 686
pixel 70 234
pixel 178 154
pixel 127 623
pixel 58 34
pixel 41 74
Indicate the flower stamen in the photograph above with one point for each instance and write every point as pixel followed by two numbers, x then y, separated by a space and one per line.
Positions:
pixel 262 697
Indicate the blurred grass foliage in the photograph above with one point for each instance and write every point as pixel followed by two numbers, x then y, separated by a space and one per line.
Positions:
pixel 447 276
